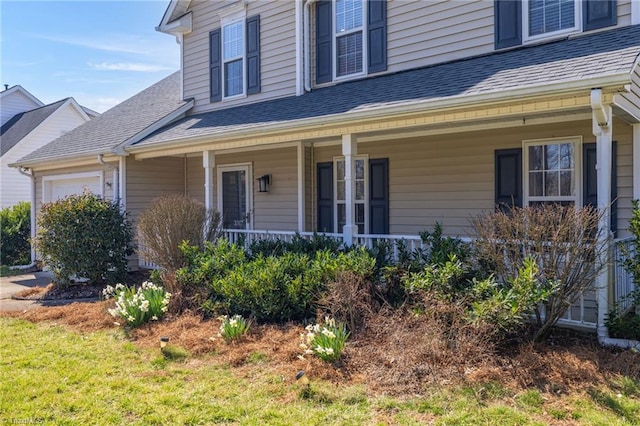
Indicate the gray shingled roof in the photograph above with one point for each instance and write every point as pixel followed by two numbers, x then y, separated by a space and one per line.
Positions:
pixel 588 56
pixel 20 125
pixel 117 125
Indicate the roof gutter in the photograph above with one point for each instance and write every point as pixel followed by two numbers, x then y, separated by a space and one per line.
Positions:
pixel 613 83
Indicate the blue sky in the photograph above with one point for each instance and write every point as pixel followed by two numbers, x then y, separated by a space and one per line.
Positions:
pixel 99 52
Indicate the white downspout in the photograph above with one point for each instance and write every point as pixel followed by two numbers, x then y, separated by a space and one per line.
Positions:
pixel 602 129
pixel 307 45
pixel 116 178
pixel 31 174
pixel 300 51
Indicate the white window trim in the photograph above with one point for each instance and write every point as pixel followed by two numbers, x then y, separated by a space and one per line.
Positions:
pixel 334 44
pixel 231 17
pixel 577 141
pixel 365 202
pixel 248 167
pixel 525 24
pixel 47 180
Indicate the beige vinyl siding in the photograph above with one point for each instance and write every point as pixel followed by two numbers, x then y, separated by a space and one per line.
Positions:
pixel 277 52
pixel 450 178
pixel 152 178
pixel 195 178
pixel 276 210
pixel 421 33
pixel 624 12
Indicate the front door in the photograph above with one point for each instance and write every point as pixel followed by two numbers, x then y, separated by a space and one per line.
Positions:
pixel 234 196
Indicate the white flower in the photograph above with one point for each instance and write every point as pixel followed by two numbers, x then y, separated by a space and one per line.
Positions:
pixel 329 351
pixel 164 309
pixel 154 318
pixel 328 333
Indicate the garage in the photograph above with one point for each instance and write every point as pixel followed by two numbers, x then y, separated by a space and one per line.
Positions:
pixel 61 186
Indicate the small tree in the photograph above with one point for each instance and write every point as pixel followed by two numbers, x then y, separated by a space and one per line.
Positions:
pixel 168 221
pixel 15 229
pixel 565 243
pixel 85 236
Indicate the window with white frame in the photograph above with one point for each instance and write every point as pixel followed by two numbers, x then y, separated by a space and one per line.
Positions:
pixel 545 18
pixel 233 57
pixel 360 195
pixel 349 40
pixel 551 171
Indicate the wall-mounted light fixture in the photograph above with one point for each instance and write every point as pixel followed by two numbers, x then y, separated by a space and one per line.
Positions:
pixel 263 183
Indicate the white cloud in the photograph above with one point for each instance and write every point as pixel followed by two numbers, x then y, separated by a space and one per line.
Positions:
pixel 127 66
pixel 124 46
pixel 103 104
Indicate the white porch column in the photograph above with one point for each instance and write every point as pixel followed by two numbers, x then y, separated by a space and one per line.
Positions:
pixel 636 160
pixel 301 182
pixel 208 162
pixel 122 181
pixel 349 150
pixel 602 129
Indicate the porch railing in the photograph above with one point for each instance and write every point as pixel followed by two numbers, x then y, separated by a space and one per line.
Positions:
pixel 623 280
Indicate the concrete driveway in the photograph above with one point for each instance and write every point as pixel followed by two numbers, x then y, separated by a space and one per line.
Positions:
pixel 12 285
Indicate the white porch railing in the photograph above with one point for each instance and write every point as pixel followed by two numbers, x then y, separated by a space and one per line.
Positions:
pixel 623 280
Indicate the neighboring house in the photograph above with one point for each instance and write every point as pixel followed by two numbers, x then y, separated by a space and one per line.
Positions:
pixel 27 125
pixel 376 119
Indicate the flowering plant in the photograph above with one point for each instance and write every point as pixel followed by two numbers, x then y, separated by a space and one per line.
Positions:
pixel 326 340
pixel 233 328
pixel 138 305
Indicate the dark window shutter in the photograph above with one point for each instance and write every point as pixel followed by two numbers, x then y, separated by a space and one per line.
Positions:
pixel 377 33
pixel 508 178
pixel 379 196
pixel 253 55
pixel 215 65
pixel 590 180
pixel 324 72
pixel 508 23
pixel 599 14
pixel 325 197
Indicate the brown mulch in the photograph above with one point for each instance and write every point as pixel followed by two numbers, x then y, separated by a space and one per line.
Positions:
pixel 398 354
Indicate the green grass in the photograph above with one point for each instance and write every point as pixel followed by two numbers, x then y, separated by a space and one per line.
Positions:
pixel 6 271
pixel 55 376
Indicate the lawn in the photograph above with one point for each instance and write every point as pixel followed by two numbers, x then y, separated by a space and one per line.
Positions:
pixel 57 373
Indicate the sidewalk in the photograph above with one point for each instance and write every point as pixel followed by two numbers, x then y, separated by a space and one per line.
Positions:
pixel 12 285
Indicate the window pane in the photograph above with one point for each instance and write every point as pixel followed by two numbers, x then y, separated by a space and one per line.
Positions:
pixel 233 40
pixel 342 215
pixel 536 155
pixel 359 190
pixel 551 184
pixel 550 15
pixel 535 184
pixel 233 78
pixel 566 156
pixel 360 218
pixel 551 157
pixel 349 54
pixel 359 169
pixel 340 169
pixel 341 190
pixel 566 184
pixel 348 15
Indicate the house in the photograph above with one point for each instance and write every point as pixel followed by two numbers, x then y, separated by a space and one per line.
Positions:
pixel 370 119
pixel 28 124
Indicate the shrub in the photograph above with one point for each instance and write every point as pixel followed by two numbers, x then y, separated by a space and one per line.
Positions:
pixel 624 323
pixel 326 340
pixel 167 222
pixel 138 306
pixel 298 244
pixel 234 328
pixel 565 242
pixel 85 236
pixel 15 232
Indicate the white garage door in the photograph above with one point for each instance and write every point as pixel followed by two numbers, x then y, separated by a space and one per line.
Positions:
pixel 61 187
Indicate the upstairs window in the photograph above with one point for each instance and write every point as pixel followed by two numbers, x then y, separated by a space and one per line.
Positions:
pixel 549 17
pixel 233 58
pixel 349 19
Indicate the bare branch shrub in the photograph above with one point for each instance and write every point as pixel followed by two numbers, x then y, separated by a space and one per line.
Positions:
pixel 565 242
pixel 349 299
pixel 168 221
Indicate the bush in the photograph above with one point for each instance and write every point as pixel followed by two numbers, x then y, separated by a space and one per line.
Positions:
pixel 167 222
pixel 85 236
pixel 15 232
pixel 138 306
pixel 298 244
pixel 565 243
pixel 625 323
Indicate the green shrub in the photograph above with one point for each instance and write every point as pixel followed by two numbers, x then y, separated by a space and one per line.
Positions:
pixel 298 244
pixel 625 323
pixel 138 306
pixel 85 236
pixel 15 232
